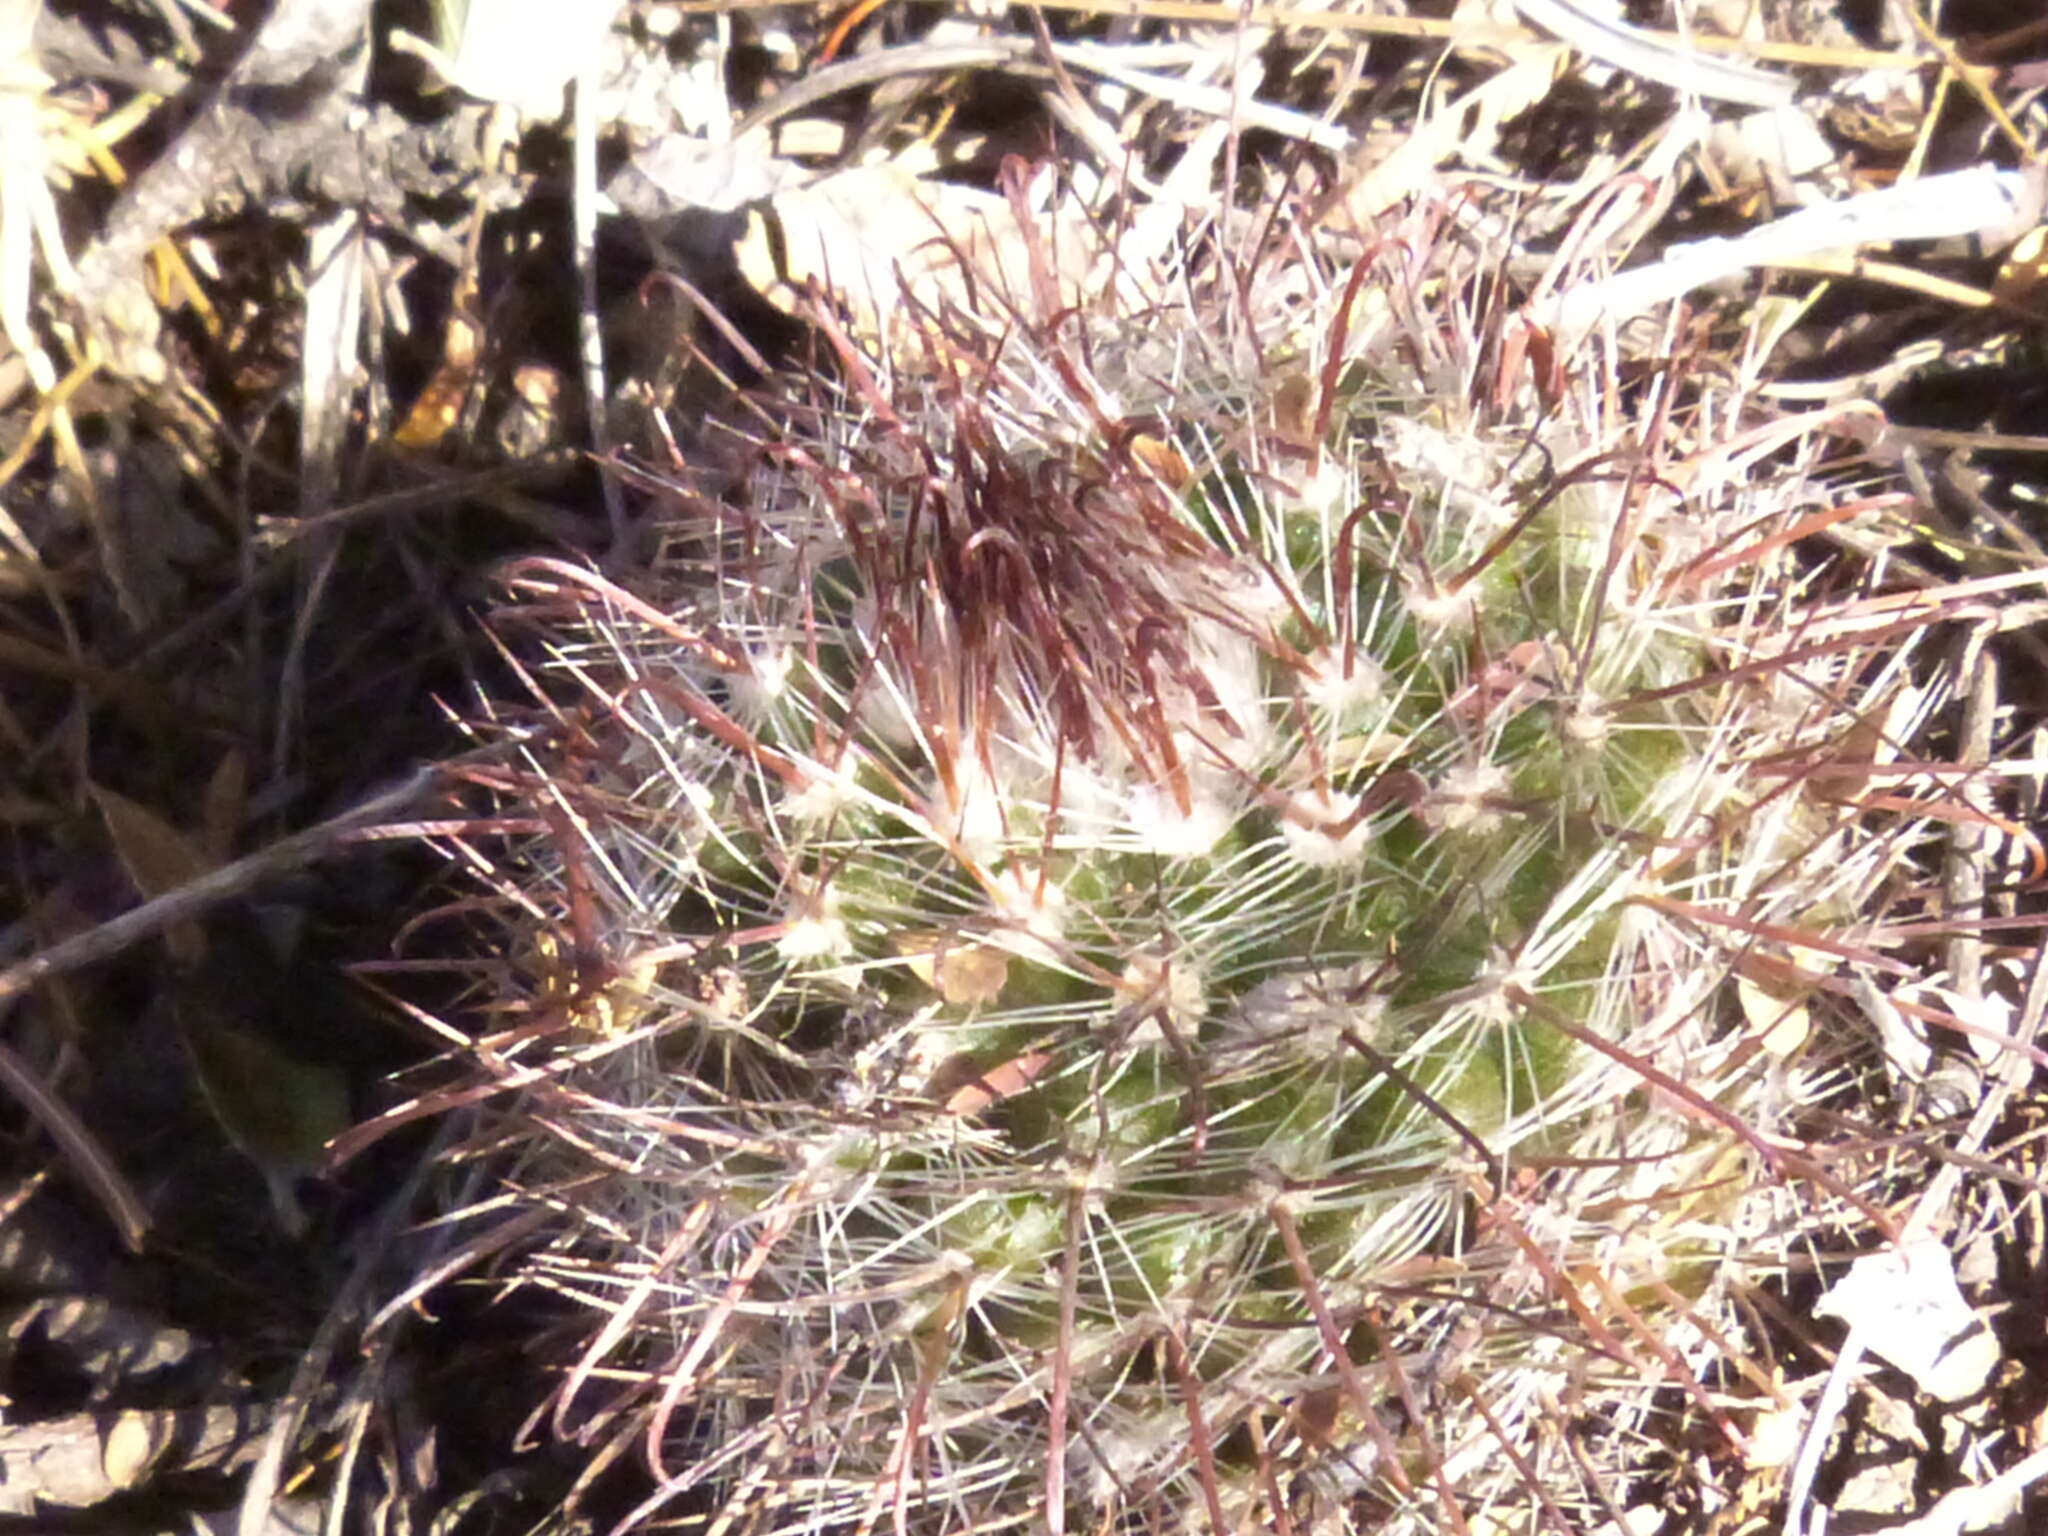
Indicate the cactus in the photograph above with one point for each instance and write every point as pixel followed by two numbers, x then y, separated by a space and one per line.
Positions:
pixel 1161 914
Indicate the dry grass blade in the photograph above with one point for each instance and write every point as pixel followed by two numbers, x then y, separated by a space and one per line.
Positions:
pixel 123 1207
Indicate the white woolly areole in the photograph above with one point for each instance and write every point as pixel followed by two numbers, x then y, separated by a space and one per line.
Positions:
pixel 1436 456
pixel 1312 1009
pixel 755 691
pixel 1027 898
pixel 1153 983
pixel 1159 826
pixel 1587 723
pixel 817 933
pixel 1329 492
pixel 823 797
pixel 974 813
pixel 1436 608
pixel 1319 828
pixel 1496 985
pixel 1460 803
pixel 1341 685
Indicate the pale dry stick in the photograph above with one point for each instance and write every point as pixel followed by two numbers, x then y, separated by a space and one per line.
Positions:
pixel 1072 112
pixel 589 334
pixel 874 68
pixel 298 44
pixel 1897 275
pixel 1425 28
pixel 1023 53
pixel 1979 1508
pixel 1918 1227
pixel 1678 64
pixel 1219 101
pixel 1983 202
pixel 1940 437
pixel 357 1416
pixel 1245 77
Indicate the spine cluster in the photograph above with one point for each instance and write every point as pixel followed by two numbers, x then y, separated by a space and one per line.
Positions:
pixel 1169 905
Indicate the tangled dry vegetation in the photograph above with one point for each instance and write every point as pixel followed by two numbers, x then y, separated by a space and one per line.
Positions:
pixel 1112 610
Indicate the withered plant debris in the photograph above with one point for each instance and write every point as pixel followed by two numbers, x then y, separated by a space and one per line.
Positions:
pixel 249 609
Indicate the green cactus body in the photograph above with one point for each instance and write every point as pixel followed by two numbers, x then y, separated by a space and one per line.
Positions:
pixel 1157 848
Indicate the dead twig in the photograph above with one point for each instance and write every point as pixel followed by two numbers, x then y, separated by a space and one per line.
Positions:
pixel 123 1207
pixel 211 889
